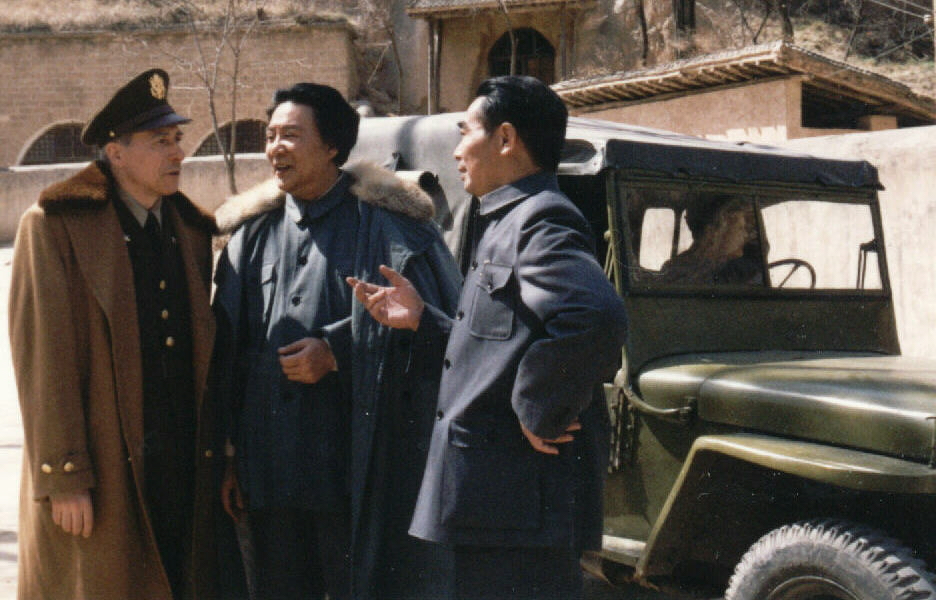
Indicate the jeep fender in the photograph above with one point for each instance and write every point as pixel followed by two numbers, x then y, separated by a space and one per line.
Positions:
pixel 839 467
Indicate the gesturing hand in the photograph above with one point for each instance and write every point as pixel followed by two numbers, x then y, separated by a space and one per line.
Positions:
pixel 306 360
pixel 399 306
pixel 72 511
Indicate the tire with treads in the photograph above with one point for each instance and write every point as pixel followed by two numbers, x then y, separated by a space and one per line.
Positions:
pixel 829 560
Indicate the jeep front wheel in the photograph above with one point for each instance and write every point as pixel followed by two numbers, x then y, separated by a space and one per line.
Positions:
pixel 829 560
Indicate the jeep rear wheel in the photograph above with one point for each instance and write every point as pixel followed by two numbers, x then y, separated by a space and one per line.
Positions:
pixel 829 560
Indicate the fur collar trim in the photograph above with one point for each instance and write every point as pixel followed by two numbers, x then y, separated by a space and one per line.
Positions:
pixel 88 189
pixel 85 189
pixel 372 184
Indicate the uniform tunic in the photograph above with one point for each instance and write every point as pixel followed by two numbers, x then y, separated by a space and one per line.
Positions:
pixel 293 438
pixel 168 395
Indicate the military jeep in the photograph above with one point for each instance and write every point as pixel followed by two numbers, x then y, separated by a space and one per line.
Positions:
pixel 769 443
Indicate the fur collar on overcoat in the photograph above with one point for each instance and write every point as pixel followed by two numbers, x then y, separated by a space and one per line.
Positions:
pixel 372 184
pixel 88 189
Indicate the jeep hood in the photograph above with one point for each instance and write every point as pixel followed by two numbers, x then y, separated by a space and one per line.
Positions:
pixel 875 403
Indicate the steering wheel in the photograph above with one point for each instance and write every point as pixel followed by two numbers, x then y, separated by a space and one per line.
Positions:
pixel 797 263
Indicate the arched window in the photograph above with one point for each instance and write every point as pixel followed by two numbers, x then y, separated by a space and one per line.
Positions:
pixel 535 56
pixel 59 144
pixel 251 137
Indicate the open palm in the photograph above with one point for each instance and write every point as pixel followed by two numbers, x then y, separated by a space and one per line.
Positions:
pixel 399 305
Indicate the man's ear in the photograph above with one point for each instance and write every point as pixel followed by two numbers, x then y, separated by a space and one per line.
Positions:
pixel 508 138
pixel 114 152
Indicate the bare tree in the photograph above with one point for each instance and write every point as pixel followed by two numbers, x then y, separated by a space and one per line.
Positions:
pixel 513 36
pixel 379 13
pixel 783 8
pixel 220 42
pixel 644 37
pixel 854 29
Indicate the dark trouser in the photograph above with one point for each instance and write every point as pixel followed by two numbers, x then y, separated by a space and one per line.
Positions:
pixel 170 499
pixel 491 573
pixel 301 554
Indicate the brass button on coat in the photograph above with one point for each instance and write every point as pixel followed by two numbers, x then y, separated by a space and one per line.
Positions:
pixel 164 314
pixel 46 468
pixel 170 341
pixel 69 467
pixel 162 284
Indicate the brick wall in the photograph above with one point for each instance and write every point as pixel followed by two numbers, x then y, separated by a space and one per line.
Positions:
pixel 50 79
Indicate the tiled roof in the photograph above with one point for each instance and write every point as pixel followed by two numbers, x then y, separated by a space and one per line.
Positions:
pixel 747 65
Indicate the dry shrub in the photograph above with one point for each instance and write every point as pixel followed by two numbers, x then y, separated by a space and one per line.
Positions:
pixel 85 15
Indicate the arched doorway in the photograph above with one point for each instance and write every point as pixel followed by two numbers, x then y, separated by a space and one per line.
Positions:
pixel 251 137
pixel 59 144
pixel 535 56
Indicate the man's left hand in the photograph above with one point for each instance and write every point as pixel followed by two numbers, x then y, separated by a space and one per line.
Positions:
pixel 549 446
pixel 307 360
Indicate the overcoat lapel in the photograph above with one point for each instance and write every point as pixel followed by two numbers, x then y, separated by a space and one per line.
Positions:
pixel 102 257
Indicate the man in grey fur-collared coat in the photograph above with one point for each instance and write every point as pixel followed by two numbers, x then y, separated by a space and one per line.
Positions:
pixel 329 413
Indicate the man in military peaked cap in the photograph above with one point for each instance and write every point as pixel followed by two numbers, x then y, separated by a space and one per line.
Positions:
pixel 111 333
pixel 138 106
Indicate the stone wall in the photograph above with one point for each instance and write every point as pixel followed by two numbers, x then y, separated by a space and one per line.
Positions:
pixel 770 111
pixel 204 180
pixel 50 79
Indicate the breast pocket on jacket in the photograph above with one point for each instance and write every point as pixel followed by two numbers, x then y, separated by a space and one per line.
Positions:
pixel 490 478
pixel 492 307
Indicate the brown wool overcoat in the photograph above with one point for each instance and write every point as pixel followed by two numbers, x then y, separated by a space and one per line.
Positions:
pixel 76 356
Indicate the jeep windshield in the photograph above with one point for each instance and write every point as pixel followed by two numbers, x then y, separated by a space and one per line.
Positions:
pixel 720 240
pixel 716 267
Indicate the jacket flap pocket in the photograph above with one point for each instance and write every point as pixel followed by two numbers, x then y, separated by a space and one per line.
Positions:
pixel 494 276
pixel 489 486
pixel 463 437
pixel 492 312
pixel 485 434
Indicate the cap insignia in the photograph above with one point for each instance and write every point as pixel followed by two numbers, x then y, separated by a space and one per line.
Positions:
pixel 157 87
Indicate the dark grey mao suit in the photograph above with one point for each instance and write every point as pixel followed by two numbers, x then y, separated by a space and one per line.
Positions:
pixel 538 325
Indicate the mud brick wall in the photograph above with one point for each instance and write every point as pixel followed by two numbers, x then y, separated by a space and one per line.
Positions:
pixel 48 79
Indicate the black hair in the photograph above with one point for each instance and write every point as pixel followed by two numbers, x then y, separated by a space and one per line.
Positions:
pixel 336 121
pixel 701 212
pixel 536 112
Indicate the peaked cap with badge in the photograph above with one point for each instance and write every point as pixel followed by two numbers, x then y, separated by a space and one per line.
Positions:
pixel 140 105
